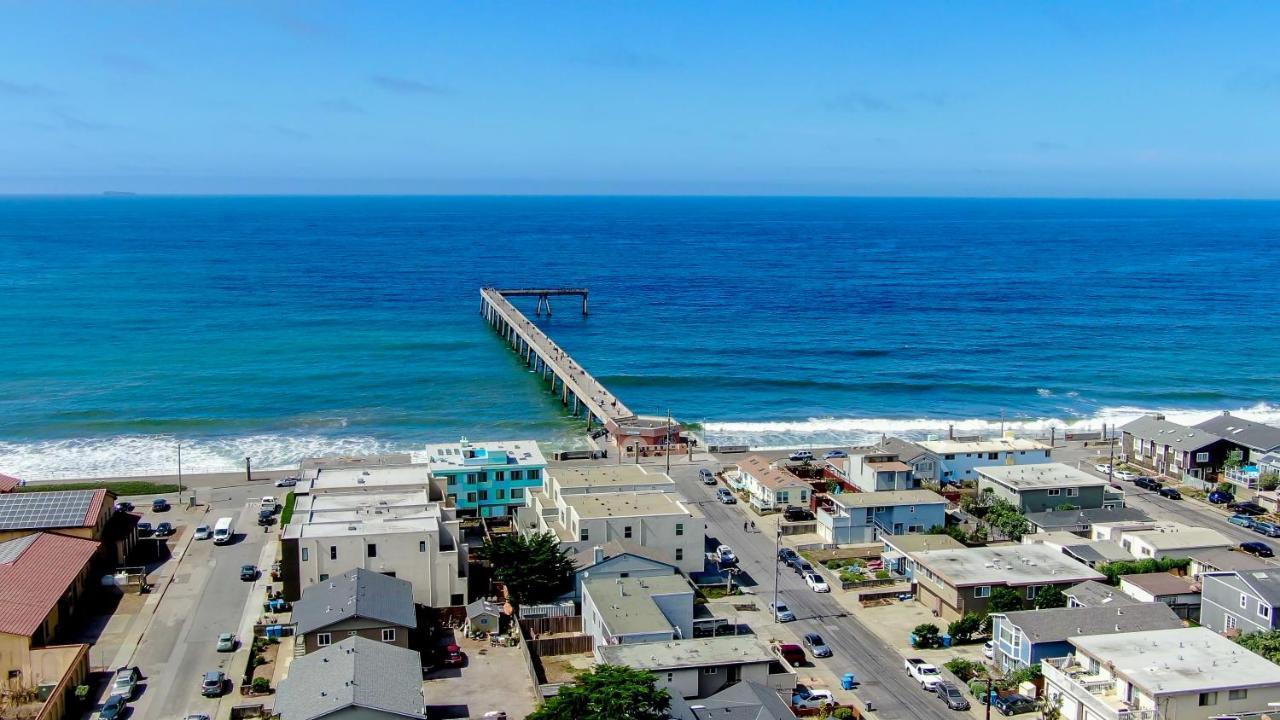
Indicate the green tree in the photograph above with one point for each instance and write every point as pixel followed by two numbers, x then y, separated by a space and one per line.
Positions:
pixel 1235 459
pixel 1266 644
pixel 964 669
pixel 954 531
pixel 927 636
pixel 1269 481
pixel 535 569
pixel 1003 600
pixel 607 692
pixel 1007 518
pixel 963 630
pixel 1050 597
pixel 1067 506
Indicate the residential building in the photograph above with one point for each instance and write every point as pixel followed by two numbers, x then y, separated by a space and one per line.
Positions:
pixel 1081 521
pixel 1240 602
pixel 1177 674
pixel 486 479
pixel 1022 639
pixel 1160 539
pixel 1167 448
pixel 952 583
pixel 1093 594
pixel 897 551
pixel 1180 594
pixel 1255 438
pixel 874 470
pixel 588 509
pixel 956 461
pixel 770 487
pixel 1083 550
pixel 355 679
pixel 697 668
pixel 1039 487
pixel 740 701
pixel 403 534
pixel 615 560
pixel 360 478
pixel 76 513
pixel 8 483
pixel 357 602
pixel 618 611
pixel 864 516
pixel 1225 560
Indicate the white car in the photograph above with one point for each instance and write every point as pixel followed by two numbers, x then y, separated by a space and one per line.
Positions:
pixel 725 555
pixel 1124 475
pixel 1104 468
pixel 813 699
pixel 816 583
pixel 287 482
pixel 203 532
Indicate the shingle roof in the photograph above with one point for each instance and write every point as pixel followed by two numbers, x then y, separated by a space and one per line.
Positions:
pixel 1223 559
pixel 357 671
pixel 1052 519
pixel 1094 594
pixel 1058 624
pixel 1253 435
pixel 35 571
pixel 740 701
pixel 356 593
pixel 766 474
pixel 1149 427
pixel 1265 584
pixel 8 483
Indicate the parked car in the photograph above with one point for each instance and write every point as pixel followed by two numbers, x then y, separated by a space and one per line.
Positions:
pixel 123 506
pixel 453 656
pixel 113 708
pixel 707 477
pixel 1124 475
pixel 951 695
pixel 816 645
pixel 816 583
pixel 1104 468
pixel 164 529
pixel 1265 528
pixel 226 642
pixel 813 699
pixel 923 672
pixel 1168 492
pixel 213 684
pixel 726 497
pixel 792 653
pixel 1218 497
pixel 782 613
pixel 145 529
pixel 1147 483
pixel 203 532
pixel 159 505
pixel 248 573
pixel 795 560
pixel 1014 704
pixel 835 454
pixel 125 682
pixel 1257 549
pixel 1248 507
pixel 266 517
pixel 725 556
pixel 287 481
pixel 803 568
pixel 801 456
pixel 786 554
pixel 196 716
pixel 796 514
pixel 1242 520
pixel 988 650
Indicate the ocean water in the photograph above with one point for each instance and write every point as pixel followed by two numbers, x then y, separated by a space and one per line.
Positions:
pixel 279 328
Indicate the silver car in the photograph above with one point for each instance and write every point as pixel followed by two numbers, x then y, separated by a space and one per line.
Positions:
pixel 125 682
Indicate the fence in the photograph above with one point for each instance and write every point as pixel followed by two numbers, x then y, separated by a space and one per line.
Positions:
pixel 567 645
pixel 528 612
pixel 538 626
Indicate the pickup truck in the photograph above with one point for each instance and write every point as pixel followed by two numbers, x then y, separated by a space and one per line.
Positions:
pixel 924 673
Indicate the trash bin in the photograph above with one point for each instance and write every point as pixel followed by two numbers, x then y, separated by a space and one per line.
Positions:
pixel 946 641
pixel 273 631
pixel 848 681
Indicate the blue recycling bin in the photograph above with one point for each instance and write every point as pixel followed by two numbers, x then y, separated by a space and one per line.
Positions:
pixel 848 682
pixel 946 641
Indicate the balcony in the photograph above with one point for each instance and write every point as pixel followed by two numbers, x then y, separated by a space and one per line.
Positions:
pixel 1246 477
pixel 1094 690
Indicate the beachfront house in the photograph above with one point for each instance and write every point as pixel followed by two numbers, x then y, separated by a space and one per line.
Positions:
pixel 956 461
pixel 1039 487
pixel 865 516
pixel 1174 450
pixel 872 470
pixel 486 479
pixel 1240 602
pixel 771 488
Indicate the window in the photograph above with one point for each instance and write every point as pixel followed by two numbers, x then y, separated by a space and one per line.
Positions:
pixel 993 456
pixel 949 457
pixel 1073 492
pixel 333 552
pixel 1209 698
pixel 517 475
pixel 679 554
pixel 324 576
pixel 323 639
pixel 782 496
pixel 911 508
pixel 1231 621
pixel 982 591
pixel 1244 601
pixel 502 494
pixel 1054 492
pixel 473 478
pixel 626 531
pixel 471 497
pixel 584 534
pixel 1033 591
pixel 500 475
pixel 305 554
pixel 517 493
pixel 422 546
pixel 710 670
pixel 453 480
pixel 915 528
pixel 1237 694
pixel 373 550
pixel 535 474
pixel 871 515
pixel 388 634
pixel 1264 611
pixel 670 677
pixel 484 495
pixel 1202 458
pixel 679 529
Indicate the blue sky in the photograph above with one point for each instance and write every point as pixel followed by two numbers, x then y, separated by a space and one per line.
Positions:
pixel 1097 99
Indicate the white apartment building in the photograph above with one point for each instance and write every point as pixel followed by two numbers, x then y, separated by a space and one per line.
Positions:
pixel 1160 539
pixel 1174 674
pixel 957 460
pixel 596 505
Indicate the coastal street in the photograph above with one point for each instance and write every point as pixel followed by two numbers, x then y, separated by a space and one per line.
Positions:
pixel 856 648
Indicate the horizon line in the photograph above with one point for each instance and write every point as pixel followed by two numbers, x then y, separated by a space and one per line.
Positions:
pixel 125 195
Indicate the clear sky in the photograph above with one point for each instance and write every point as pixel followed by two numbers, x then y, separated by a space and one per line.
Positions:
pixel 1098 99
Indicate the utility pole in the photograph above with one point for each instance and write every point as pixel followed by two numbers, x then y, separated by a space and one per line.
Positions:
pixel 179 471
pixel 668 452
pixel 777 550
pixel 988 696
pixel 248 473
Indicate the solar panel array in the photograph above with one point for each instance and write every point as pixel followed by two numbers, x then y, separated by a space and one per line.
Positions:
pixel 20 511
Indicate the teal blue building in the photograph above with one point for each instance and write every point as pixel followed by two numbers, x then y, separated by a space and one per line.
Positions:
pixel 486 479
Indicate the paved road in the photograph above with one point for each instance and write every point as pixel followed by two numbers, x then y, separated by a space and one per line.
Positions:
pixel 856 649
pixel 207 597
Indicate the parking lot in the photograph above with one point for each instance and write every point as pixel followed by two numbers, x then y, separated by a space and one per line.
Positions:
pixel 493 678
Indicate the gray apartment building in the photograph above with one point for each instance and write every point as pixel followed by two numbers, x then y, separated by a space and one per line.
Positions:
pixel 1240 601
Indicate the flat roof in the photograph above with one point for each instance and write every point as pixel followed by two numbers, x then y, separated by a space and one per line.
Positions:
pixel 372 477
pixel 1009 565
pixel 920 543
pixel 1174 536
pixel 1180 660
pixel 1161 583
pixel 888 465
pixel 888 497
pixel 358 527
pixel 1224 559
pixel 628 504
pixel 484 454
pixel 607 476
pixel 1039 476
pixel 626 605
pixel 691 652
pixel 947 447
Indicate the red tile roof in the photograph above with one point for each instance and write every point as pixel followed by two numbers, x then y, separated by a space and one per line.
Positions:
pixel 7 483
pixel 34 577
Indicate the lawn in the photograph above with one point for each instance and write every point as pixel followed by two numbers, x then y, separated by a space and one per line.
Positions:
pixel 121 489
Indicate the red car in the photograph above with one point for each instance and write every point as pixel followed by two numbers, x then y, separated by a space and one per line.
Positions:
pixel 454 657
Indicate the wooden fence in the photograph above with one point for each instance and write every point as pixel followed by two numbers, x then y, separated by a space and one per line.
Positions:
pixel 564 645
pixel 537 627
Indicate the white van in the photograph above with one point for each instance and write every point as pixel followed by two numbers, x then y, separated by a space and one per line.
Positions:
pixel 223 531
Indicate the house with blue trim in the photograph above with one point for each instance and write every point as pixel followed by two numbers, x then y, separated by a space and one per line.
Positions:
pixel 866 516
pixel 1027 637
pixel 486 479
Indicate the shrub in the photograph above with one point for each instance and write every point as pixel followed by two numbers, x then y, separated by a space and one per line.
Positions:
pixel 1026 674
pixel 927 635
pixel 963 630
pixel 260 684
pixel 121 489
pixel 843 713
pixel 964 669
pixel 883 575
pixel 1113 570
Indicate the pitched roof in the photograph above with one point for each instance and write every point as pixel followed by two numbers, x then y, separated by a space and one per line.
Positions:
pixel 1227 560
pixel 1253 435
pixel 1058 624
pixel 741 701
pixel 8 483
pixel 766 474
pixel 1094 594
pixel 1053 519
pixel 480 607
pixel 35 571
pixel 586 557
pixel 355 672
pixel 1265 584
pixel 1161 583
pixel 1164 432
pixel 356 593
pixel 50 509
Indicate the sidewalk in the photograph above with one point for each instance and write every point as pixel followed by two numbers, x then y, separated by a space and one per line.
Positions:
pixel 249 616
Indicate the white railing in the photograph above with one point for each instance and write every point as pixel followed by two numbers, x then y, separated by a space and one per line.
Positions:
pixel 1076 683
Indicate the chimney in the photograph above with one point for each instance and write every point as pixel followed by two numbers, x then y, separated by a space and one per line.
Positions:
pixel 599 553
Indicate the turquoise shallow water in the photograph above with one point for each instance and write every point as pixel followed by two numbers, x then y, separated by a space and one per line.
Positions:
pixel 282 327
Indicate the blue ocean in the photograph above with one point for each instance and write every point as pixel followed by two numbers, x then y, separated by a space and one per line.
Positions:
pixel 278 328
